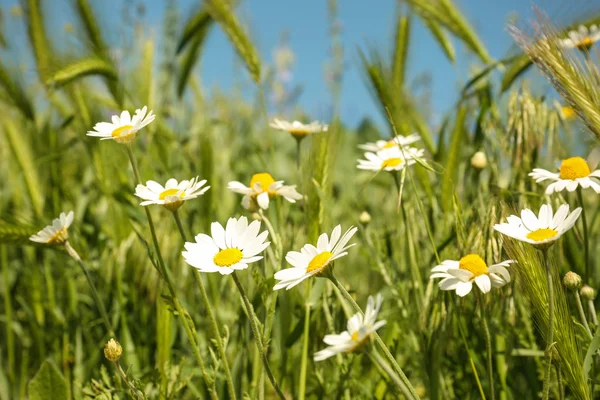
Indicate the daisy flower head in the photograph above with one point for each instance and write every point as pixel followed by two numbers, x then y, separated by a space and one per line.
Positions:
pixel 541 230
pixel 311 261
pixel 582 38
pixel 297 129
pixel 390 159
pixel 227 249
pixel 574 172
pixel 262 188
pixel 359 329
pixel 173 194
pixel 398 141
pixel 460 275
pixel 123 128
pixel 57 233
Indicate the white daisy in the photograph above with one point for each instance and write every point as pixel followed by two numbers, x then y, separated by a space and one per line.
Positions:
pixel 311 260
pixel 360 327
pixel 173 194
pixel 574 172
pixel 123 129
pixel 57 233
pixel 298 129
pixel 229 249
pixel 583 38
pixel 541 230
pixel 390 159
pixel 398 141
pixel 262 188
pixel 460 275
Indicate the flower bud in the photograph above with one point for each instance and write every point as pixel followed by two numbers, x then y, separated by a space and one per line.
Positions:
pixel 479 160
pixel 588 293
pixel 364 218
pixel 113 350
pixel 572 281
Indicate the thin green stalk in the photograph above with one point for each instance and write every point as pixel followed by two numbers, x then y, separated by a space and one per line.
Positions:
pixel 378 339
pixel 586 239
pixel 488 347
pixel 298 153
pixel 192 336
pixel 592 309
pixel 471 362
pixel 134 392
pixel 211 315
pixel 10 342
pixel 377 359
pixel 582 314
pixel 550 334
pixel 304 359
pixel 95 294
pixel 257 335
pixel 561 387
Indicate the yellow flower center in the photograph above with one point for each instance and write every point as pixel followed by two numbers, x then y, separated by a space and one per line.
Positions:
pixel 59 237
pixel 170 192
pixel 391 162
pixel 573 168
pixel 119 131
pixel 355 336
pixel 228 257
pixel 299 133
pixel 319 261
pixel 542 234
pixel 586 43
pixel 390 145
pixel 568 112
pixel 122 134
pixel 474 264
pixel 265 179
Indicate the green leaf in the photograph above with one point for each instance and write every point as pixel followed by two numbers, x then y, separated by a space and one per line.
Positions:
pixel 190 59
pixel 440 36
pixel 453 158
pixel 589 354
pixel 80 69
pixel 47 384
pixel 518 67
pixel 198 24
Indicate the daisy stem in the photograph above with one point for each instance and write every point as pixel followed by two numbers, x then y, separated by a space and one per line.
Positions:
pixel 586 238
pixel 257 335
pixel 298 150
pixel 407 386
pixel 304 359
pixel 95 294
pixel 134 392
pixel 488 346
pixel 550 334
pixel 593 312
pixel 183 315
pixel 211 315
pixel 582 314
pixel 377 359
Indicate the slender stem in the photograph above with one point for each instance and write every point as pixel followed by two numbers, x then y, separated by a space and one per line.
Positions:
pixel 304 359
pixel 95 294
pixel 134 392
pixel 211 315
pixel 561 388
pixel 298 153
pixel 586 239
pixel 257 335
pixel 582 314
pixel 10 343
pixel 593 312
pixel 378 339
pixel 192 336
pixel 550 334
pixel 488 347
pixel 377 359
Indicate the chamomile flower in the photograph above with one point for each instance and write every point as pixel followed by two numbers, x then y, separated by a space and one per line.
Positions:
pixel 173 194
pixel 124 128
pixel 460 275
pixel 574 172
pixel 542 230
pixel 582 39
pixel 390 159
pixel 57 233
pixel 311 260
pixel 297 129
pixel 262 188
pixel 398 141
pixel 228 249
pixel 359 328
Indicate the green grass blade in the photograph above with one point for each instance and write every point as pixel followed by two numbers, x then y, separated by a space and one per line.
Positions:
pixel 198 24
pixel 453 158
pixel 401 51
pixel 190 58
pixel 440 36
pixel 80 69
pixel 40 44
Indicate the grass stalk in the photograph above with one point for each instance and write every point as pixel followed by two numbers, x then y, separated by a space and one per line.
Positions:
pixel 586 240
pixel 550 335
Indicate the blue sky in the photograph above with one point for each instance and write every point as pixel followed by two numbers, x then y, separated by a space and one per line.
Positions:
pixel 365 23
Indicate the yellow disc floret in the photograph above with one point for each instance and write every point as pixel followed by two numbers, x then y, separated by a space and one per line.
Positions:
pixel 540 235
pixel 228 257
pixel 474 264
pixel 319 261
pixel 170 192
pixel 391 162
pixel 265 179
pixel 389 145
pixel 123 135
pixel 573 168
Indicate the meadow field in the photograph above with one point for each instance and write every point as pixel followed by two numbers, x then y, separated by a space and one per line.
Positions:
pixel 162 240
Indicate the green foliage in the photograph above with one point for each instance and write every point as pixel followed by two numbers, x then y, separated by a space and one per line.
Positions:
pixel 47 384
pixel 80 69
